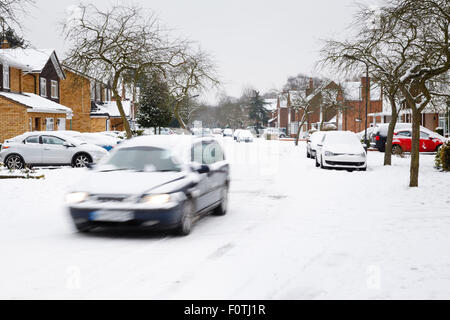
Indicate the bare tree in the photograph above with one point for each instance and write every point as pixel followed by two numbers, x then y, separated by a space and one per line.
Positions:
pixel 407 49
pixel 115 42
pixel 303 107
pixel 11 11
pixel 194 74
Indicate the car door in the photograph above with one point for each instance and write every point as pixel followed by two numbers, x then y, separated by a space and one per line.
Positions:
pixel 31 150
pixel 213 156
pixel 404 139
pixel 203 184
pixel 426 144
pixel 54 151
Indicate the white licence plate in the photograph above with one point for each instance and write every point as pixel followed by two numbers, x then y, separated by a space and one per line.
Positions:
pixel 112 216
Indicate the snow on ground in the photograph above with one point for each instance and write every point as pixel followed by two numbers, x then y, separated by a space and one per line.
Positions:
pixel 293 231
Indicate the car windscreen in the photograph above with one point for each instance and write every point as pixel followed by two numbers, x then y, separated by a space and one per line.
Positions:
pixel 341 139
pixel 141 159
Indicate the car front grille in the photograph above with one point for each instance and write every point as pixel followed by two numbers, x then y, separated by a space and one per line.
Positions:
pixel 109 198
pixel 342 163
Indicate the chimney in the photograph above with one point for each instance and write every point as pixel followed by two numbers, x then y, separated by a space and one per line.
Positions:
pixel 310 88
pixel 5 44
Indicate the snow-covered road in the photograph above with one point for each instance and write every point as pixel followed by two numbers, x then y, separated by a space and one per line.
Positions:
pixel 293 231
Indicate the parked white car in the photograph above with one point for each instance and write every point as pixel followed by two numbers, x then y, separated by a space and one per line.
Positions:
pixel 227 132
pixel 341 150
pixel 48 148
pixel 244 135
pixel 235 133
pixel 311 143
pixel 275 133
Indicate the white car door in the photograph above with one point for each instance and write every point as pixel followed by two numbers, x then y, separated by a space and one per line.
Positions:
pixel 31 150
pixel 54 151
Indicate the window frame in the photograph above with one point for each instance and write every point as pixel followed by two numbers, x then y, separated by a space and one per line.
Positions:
pixel 6 77
pixel 54 84
pixel 43 87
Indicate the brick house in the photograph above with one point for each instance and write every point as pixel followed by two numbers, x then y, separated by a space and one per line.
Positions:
pixel 29 92
pixel 351 97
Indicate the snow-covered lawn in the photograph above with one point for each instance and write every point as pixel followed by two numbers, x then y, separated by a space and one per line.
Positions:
pixel 293 232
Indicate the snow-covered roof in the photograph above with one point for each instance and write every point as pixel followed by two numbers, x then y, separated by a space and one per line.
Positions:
pixel 271 104
pixel 110 108
pixel 33 60
pixel 37 103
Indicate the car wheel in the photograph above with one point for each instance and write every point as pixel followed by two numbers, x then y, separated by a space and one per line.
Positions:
pixel 186 220
pixel 14 162
pixel 308 155
pixel 317 163
pixel 81 160
pixel 83 227
pixel 222 208
pixel 396 149
pixel 321 164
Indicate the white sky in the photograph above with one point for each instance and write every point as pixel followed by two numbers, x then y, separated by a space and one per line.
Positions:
pixel 255 43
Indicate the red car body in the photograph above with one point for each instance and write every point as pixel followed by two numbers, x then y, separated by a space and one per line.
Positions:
pixel 428 143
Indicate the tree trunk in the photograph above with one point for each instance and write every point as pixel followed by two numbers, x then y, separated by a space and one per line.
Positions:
pixel 176 111
pixel 126 124
pixel 415 145
pixel 298 131
pixel 390 134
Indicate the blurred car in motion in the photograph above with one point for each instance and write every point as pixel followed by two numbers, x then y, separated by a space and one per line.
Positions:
pixel 341 150
pixel 273 133
pixel 164 182
pixel 227 132
pixel 244 135
pixel 49 148
pixel 311 143
pixel 401 141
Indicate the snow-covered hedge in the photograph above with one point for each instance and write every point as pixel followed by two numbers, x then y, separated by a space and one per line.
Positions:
pixel 443 157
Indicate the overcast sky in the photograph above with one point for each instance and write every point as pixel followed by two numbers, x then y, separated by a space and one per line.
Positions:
pixel 255 43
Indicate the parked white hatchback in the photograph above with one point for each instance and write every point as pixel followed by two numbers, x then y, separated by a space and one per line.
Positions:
pixel 48 148
pixel 244 135
pixel 311 143
pixel 341 150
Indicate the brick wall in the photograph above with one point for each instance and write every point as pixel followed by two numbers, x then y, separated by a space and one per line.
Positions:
pixel 98 124
pixel 13 119
pixel 15 76
pixel 30 83
pixel 75 94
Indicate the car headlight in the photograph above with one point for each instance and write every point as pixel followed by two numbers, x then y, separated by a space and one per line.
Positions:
pixel 76 197
pixel 329 154
pixel 156 199
pixel 363 154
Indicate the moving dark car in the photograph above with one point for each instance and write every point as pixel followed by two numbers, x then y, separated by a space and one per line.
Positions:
pixel 164 182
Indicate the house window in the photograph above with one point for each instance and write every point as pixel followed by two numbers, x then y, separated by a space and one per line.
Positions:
pixel 54 89
pixel 49 124
pixel 43 88
pixel 5 76
pixel 61 123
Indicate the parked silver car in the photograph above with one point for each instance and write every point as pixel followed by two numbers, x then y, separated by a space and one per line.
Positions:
pixel 48 148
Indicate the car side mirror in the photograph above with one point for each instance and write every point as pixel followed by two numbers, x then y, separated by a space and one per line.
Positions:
pixel 67 144
pixel 202 169
pixel 320 145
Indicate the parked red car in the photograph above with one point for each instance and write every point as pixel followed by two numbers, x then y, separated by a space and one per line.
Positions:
pixel 402 141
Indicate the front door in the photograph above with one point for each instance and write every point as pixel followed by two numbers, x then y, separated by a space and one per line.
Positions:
pixel 54 151
pixel 37 124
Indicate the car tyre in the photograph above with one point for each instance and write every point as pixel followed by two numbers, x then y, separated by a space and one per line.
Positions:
pixel 83 227
pixel 81 160
pixel 396 149
pixel 221 210
pixel 186 220
pixel 14 161
pixel 317 162
pixel 308 155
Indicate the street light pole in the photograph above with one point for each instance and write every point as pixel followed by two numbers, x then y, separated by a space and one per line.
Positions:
pixel 367 98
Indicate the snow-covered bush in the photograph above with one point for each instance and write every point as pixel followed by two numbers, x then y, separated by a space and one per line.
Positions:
pixel 442 160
